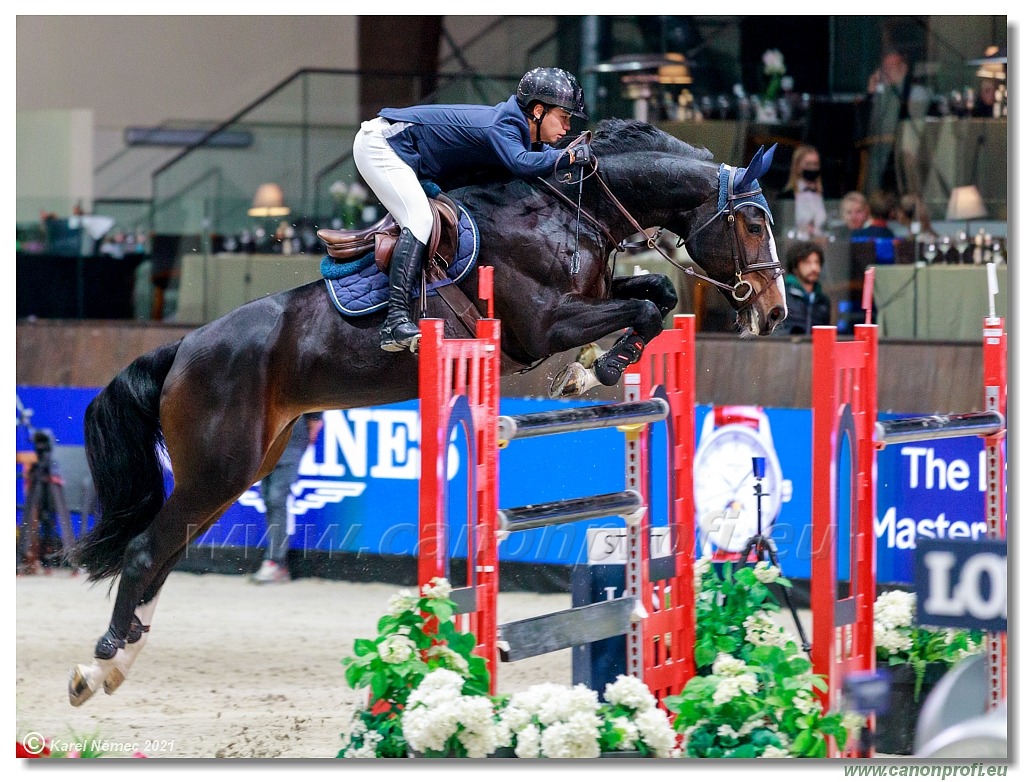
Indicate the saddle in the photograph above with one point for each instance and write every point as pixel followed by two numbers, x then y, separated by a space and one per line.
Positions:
pixel 381 237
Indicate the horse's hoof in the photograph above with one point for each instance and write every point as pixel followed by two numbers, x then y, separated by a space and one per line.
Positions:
pixel 81 686
pixel 589 354
pixel 114 680
pixel 571 380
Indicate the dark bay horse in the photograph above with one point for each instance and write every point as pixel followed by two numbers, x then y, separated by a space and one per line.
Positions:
pixel 221 402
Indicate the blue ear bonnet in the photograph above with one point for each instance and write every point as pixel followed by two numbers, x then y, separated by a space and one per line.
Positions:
pixel 744 181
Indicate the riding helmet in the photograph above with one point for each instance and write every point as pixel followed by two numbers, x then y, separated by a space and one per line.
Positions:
pixel 552 87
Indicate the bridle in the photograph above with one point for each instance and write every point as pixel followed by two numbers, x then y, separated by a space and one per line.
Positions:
pixel 740 263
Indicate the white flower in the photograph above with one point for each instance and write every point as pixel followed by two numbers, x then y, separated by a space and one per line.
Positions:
pixel 360 752
pixel 750 725
pixel 766 573
pixel 893 641
pixel 731 686
pixel 437 712
pixel 574 738
pixel 728 732
pixel 656 731
pixel 727 665
pixel 338 190
pixel 761 630
pixel 771 751
pixel 437 589
pixel 630 732
pixel 805 703
pixel 357 194
pixel 402 602
pixel 449 658
pixel 630 692
pixel 774 62
pixel 438 685
pixel 853 722
pixel 894 609
pixel 528 742
pixel 396 648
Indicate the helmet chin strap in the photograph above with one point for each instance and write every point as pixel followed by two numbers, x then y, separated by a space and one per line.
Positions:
pixel 538 121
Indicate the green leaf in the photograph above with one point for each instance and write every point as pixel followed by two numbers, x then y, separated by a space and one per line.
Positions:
pixel 704 652
pixel 363 646
pixel 726 643
pixel 379 682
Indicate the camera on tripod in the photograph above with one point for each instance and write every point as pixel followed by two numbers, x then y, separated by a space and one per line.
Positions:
pixel 763 547
pixel 46 533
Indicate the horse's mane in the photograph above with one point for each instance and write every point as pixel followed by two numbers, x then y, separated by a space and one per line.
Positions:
pixel 629 135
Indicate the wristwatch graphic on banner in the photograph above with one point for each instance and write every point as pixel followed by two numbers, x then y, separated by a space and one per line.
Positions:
pixel 723 477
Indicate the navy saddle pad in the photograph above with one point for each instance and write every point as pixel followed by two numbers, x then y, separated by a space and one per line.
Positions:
pixel 359 287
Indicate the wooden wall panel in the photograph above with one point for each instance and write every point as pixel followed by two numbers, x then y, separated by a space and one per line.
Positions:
pixel 914 377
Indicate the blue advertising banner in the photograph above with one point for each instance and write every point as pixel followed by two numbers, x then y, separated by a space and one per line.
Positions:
pixel 961 583
pixel 358 487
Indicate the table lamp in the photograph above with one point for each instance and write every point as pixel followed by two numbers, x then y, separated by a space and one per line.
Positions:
pixel 965 204
pixel 269 201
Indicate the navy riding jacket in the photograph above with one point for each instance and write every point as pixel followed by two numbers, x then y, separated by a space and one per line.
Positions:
pixel 447 141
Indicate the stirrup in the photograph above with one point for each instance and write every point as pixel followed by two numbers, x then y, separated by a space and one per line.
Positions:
pixel 394 344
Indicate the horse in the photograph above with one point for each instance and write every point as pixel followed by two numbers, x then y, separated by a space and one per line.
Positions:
pixel 220 403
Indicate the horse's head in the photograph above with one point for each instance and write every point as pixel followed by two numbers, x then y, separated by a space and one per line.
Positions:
pixel 730 236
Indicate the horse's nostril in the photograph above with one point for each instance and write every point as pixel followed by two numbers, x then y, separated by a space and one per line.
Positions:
pixel 776 314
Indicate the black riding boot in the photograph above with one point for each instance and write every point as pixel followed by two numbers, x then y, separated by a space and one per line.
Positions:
pixel 400 330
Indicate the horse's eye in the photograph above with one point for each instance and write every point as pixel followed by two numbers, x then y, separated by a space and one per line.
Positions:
pixel 754 228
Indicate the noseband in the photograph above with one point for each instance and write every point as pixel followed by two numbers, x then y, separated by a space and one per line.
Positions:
pixel 740 263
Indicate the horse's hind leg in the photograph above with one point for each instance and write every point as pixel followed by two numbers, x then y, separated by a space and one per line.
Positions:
pixel 148 561
pixel 150 557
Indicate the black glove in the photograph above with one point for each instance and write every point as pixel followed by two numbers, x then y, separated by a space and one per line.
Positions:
pixel 581 154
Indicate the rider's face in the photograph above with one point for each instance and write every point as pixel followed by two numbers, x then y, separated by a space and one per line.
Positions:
pixel 554 125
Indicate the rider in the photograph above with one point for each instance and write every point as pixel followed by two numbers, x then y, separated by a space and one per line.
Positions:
pixel 401 147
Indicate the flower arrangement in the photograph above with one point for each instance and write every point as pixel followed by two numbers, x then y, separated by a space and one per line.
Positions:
pixel 429 696
pixel 774 66
pixel 349 201
pixel 416 636
pixel 557 721
pixel 441 720
pixel 734 610
pixel 756 697
pixel 898 640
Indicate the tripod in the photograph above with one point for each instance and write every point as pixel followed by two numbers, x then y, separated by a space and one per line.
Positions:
pixel 46 511
pixel 763 549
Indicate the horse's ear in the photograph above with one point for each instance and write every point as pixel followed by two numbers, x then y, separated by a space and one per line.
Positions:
pixel 748 174
pixel 759 166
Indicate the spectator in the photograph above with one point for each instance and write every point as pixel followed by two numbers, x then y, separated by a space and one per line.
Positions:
pixel 808 305
pixel 853 209
pixel 880 207
pixel 276 489
pixel 892 97
pixel 912 215
pixel 805 188
pixel 984 105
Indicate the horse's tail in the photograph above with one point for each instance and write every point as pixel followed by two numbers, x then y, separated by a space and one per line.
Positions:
pixel 123 443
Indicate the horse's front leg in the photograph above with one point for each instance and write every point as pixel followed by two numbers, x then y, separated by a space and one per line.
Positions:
pixel 657 288
pixel 580 321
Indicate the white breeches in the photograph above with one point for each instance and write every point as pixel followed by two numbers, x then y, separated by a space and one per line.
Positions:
pixel 391 179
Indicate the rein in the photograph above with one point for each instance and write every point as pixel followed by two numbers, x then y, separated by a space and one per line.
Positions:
pixel 651 243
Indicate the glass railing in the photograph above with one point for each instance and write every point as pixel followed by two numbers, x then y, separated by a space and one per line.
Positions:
pixel 301 140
